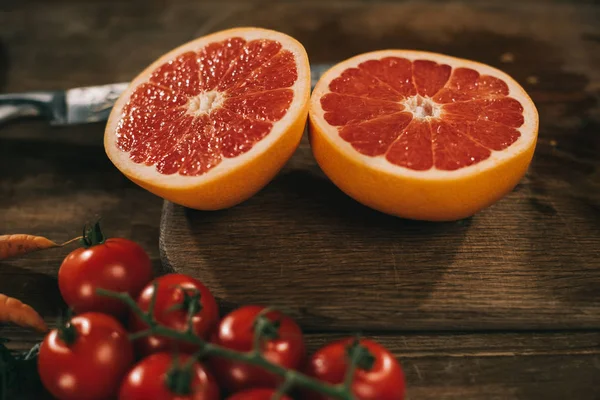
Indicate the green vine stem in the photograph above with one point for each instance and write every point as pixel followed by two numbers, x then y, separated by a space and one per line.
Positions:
pixel 179 377
pixel 291 378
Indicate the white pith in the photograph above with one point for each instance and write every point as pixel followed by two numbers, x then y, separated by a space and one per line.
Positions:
pixel 528 130
pixel 200 105
pixel 205 103
pixel 422 107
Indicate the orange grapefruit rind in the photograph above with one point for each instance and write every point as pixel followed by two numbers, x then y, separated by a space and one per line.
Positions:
pixel 433 195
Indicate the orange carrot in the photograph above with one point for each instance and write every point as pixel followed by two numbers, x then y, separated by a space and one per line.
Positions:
pixel 15 311
pixel 15 245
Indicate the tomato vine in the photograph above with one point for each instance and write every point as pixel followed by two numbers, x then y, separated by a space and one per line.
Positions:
pixel 359 356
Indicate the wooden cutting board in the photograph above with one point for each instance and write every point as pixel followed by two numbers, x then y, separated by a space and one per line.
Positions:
pixel 532 261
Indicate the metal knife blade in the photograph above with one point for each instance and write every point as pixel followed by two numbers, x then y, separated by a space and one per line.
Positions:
pixel 79 105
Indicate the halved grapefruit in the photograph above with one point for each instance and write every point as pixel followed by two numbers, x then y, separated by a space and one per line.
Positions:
pixel 212 122
pixel 422 135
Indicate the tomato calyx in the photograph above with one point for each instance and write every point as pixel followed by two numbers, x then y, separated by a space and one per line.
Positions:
pixel 360 356
pixel 179 377
pixel 92 235
pixel 274 363
pixel 264 328
pixel 190 303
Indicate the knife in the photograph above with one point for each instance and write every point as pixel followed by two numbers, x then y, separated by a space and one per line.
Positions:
pixel 79 105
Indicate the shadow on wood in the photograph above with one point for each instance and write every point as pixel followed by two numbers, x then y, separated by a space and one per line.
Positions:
pixel 303 245
pixel 4 65
pixel 39 290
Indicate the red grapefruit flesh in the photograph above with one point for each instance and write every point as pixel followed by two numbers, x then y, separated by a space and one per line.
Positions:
pixel 422 135
pixel 211 123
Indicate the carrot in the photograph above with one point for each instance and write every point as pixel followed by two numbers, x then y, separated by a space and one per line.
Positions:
pixel 15 245
pixel 15 311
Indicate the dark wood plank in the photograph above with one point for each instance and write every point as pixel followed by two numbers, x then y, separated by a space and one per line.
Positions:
pixel 53 179
pixel 494 270
pixel 480 366
pixel 53 187
pixel 529 262
pixel 339 265
pixel 495 366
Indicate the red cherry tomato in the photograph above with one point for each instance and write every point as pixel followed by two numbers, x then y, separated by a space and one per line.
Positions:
pixel 175 294
pixel 384 381
pixel 236 331
pixel 156 376
pixel 256 394
pixel 88 361
pixel 116 264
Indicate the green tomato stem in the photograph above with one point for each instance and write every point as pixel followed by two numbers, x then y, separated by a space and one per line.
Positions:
pixel 351 370
pixel 291 377
pixel 288 383
pixel 66 331
pixel 92 236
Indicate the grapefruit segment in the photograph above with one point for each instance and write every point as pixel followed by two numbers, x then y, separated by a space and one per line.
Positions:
pixel 210 123
pixel 269 106
pixel 453 149
pixel 413 148
pixel 180 75
pixel 422 135
pixel 215 59
pixel 251 56
pixel 358 82
pixel 341 109
pixel 394 72
pixel 467 84
pixel 430 77
pixel 373 137
pixel 278 72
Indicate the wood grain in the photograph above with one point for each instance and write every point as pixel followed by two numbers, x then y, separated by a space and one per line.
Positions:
pixel 52 187
pixel 338 265
pixel 529 262
pixel 489 366
pixel 494 366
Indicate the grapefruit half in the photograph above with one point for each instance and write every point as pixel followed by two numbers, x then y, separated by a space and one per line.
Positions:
pixel 421 135
pixel 212 122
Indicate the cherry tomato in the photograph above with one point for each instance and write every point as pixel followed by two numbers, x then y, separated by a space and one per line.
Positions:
pixel 176 293
pixel 236 331
pixel 86 359
pixel 160 377
pixel 115 264
pixel 256 394
pixel 384 381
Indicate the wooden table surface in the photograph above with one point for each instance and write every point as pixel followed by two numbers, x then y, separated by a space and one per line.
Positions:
pixel 52 180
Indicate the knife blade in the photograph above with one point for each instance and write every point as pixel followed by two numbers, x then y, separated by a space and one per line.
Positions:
pixel 80 105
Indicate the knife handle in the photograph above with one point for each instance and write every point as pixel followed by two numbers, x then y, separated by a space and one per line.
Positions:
pixel 26 105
